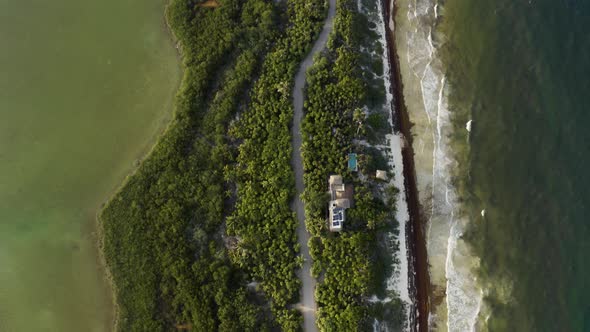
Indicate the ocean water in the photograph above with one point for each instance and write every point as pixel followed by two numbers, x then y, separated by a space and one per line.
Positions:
pixel 455 298
pixel 498 94
pixel 520 70
pixel 85 86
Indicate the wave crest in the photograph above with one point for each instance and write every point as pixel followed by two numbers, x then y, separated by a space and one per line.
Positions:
pixel 452 263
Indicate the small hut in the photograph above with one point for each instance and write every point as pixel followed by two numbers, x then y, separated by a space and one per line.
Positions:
pixel 381 175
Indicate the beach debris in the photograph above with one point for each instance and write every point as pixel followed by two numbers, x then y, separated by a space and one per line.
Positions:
pixel 468 125
pixel 402 140
pixel 483 212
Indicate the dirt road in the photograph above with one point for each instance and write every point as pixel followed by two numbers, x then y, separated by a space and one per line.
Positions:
pixel 307 306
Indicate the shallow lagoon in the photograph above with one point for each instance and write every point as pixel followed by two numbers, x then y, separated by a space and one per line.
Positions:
pixel 85 89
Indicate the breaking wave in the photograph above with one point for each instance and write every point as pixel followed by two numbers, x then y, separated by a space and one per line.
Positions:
pixel 457 296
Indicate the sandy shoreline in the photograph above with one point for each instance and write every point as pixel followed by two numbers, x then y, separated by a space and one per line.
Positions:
pixel 419 277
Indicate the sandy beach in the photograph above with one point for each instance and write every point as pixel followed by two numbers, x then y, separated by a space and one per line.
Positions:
pixel 419 278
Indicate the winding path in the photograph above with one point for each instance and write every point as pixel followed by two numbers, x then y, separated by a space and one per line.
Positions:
pixel 307 306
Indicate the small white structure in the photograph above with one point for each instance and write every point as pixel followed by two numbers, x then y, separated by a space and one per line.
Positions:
pixel 381 175
pixel 336 184
pixel 340 197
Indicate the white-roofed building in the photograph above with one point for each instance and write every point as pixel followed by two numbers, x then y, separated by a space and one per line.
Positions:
pixel 340 200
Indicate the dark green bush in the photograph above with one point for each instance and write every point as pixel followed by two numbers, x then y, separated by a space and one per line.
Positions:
pixel 162 232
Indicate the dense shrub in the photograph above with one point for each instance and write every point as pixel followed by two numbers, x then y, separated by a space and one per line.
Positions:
pixel 347 262
pixel 163 231
pixel 263 220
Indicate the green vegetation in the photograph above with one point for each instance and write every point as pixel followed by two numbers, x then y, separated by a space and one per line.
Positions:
pixel 202 236
pixel 164 233
pixel 263 220
pixel 350 265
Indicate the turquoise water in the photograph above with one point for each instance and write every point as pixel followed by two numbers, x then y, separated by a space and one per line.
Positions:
pixel 352 161
pixel 521 70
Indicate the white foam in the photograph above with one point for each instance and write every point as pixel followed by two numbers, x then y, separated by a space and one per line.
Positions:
pixel 430 43
pixel 464 299
pixel 450 260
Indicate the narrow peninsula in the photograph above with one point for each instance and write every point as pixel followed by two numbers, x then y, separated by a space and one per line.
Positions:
pixel 229 224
